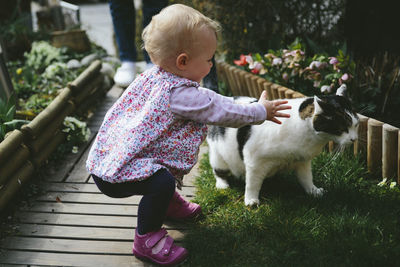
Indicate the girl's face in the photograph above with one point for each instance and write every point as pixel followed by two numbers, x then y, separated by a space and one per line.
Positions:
pixel 199 62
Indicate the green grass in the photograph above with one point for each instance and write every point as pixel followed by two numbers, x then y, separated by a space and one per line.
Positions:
pixel 355 223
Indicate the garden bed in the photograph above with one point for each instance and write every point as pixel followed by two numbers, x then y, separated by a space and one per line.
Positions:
pixel 25 150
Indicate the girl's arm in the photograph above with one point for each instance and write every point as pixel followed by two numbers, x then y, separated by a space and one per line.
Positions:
pixel 206 106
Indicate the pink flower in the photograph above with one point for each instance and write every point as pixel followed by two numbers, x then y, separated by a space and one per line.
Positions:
pixel 333 61
pixel 285 76
pixel 345 77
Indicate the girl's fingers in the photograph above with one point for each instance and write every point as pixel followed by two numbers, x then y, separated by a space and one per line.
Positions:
pixel 280 114
pixel 280 102
pixel 276 120
pixel 283 107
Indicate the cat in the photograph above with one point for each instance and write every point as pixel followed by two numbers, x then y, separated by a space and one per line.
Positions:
pixel 254 152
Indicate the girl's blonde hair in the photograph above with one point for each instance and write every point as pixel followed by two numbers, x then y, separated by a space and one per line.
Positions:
pixel 172 31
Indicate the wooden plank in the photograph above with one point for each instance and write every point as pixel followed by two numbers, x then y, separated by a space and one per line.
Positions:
pixel 70 187
pixel 88 198
pixel 77 219
pixel 16 265
pixel 92 198
pixel 79 172
pixel 86 233
pixel 86 220
pixel 95 209
pixel 60 170
pixel 91 187
pixel 66 259
pixel 68 245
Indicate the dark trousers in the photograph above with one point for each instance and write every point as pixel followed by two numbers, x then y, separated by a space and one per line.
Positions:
pixel 157 192
pixel 124 21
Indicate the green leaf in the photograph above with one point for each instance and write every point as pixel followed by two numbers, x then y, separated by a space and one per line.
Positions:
pixel 10 113
pixel 258 57
pixel 15 124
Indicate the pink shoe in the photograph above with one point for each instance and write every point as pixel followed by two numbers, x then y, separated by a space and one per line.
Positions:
pixel 180 209
pixel 159 248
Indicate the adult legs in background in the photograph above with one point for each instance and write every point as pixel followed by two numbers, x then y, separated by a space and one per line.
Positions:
pixel 151 8
pixel 124 17
pixel 211 80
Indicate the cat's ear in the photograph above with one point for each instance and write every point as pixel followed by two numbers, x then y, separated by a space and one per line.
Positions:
pixel 317 106
pixel 342 90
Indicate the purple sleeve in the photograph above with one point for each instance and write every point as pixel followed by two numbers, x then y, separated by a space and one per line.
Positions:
pixel 206 106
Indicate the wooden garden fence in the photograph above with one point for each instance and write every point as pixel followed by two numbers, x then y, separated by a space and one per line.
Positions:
pixel 380 141
pixel 22 151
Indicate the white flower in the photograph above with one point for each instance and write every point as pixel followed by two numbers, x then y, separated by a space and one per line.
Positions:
pixel 392 185
pixel 383 182
pixel 74 149
pixel 276 61
pixel 326 89
pixel 317 65
pixel 314 64
pixel 249 59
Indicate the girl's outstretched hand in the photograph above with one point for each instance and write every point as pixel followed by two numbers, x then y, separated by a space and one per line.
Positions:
pixel 274 107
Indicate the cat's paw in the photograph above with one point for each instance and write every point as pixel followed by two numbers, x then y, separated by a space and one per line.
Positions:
pixel 251 201
pixel 317 192
pixel 221 184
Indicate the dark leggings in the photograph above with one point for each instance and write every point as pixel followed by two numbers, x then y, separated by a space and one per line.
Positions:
pixel 157 192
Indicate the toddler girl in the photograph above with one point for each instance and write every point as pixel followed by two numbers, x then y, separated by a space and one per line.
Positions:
pixel 151 136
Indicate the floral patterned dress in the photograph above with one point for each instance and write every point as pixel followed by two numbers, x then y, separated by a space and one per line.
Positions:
pixel 140 134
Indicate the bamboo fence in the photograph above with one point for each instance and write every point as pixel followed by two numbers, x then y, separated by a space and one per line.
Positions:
pixel 378 140
pixel 23 151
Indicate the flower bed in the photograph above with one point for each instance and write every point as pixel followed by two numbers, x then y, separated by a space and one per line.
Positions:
pixel 291 67
pixel 23 151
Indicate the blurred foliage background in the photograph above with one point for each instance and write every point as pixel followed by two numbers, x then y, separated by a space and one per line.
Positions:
pixel 365 30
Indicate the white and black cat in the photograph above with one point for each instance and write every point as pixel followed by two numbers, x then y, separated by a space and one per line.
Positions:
pixel 255 152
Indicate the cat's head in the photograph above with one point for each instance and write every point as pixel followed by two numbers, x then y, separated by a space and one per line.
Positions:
pixel 332 116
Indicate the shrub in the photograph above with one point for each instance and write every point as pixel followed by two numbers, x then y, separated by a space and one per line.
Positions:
pixel 7 121
pixel 259 25
pixel 77 132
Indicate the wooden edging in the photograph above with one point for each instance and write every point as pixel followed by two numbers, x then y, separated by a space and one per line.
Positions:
pixel 23 151
pixel 36 126
pixel 378 140
pixel 86 76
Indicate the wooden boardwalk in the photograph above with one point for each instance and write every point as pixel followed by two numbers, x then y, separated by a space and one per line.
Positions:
pixel 73 224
